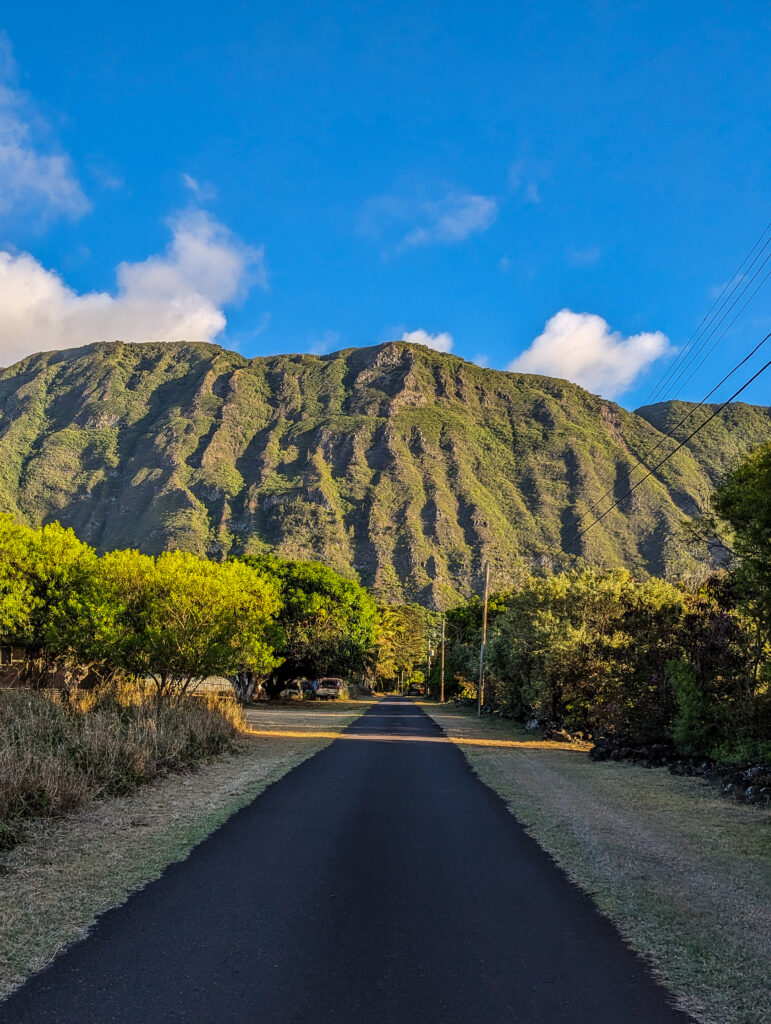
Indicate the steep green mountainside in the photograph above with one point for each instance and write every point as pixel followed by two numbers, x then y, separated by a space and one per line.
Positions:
pixel 405 465
pixel 722 441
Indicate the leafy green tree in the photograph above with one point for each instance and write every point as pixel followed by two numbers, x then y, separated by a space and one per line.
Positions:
pixel 403 636
pixel 743 502
pixel 329 623
pixel 390 635
pixel 182 618
pixel 17 598
pixel 51 604
pixel 601 652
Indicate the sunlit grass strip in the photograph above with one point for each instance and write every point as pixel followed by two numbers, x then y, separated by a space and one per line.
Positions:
pixel 382 738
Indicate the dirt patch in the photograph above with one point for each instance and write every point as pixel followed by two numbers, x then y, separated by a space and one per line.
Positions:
pixel 683 873
pixel 67 871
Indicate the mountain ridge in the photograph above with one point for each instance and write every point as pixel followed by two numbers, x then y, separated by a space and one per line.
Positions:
pixel 406 466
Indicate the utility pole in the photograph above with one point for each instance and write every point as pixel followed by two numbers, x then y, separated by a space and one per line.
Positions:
pixel 441 697
pixel 480 688
pixel 430 651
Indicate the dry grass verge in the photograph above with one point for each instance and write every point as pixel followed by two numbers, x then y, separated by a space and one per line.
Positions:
pixel 67 871
pixel 683 873
pixel 56 755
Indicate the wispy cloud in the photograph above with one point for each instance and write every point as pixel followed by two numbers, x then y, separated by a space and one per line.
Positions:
pixel 446 219
pixel 452 219
pixel 328 342
pixel 583 348
pixel 202 191
pixel 177 295
pixel 36 181
pixel 442 341
pixel 525 176
pixel 586 257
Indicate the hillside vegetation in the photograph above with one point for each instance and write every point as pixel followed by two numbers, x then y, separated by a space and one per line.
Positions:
pixel 404 465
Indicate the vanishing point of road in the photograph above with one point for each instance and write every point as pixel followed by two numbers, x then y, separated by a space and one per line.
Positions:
pixel 379 881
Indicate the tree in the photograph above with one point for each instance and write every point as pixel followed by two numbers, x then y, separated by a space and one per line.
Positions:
pixel 743 502
pixel 50 602
pixel 329 623
pixel 17 598
pixel 182 618
pixel 402 641
pixel 388 643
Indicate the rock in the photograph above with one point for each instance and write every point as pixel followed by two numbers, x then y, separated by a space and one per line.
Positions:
pixel 561 736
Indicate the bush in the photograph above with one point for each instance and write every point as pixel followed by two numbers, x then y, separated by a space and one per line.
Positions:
pixel 55 756
pixel 691 727
pixel 603 653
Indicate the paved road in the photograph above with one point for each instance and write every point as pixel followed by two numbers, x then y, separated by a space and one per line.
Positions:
pixel 380 881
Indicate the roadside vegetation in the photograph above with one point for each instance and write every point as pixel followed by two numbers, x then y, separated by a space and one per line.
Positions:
pixel 601 654
pixel 56 755
pixel 111 649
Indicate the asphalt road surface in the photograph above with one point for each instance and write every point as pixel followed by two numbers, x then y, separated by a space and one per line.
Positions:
pixel 378 881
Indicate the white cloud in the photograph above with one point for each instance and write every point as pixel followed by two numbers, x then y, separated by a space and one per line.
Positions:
pixel 447 220
pixel 33 181
pixel 582 348
pixel 175 296
pixel 442 342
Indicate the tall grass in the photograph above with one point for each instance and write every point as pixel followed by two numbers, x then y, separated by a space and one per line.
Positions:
pixel 57 754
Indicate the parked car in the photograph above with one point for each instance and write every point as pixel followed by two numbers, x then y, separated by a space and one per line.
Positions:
pixel 291 692
pixel 328 687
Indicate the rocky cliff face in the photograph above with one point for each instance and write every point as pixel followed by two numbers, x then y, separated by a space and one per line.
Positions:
pixel 402 464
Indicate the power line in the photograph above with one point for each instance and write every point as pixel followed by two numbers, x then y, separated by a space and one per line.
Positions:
pixel 677 426
pixel 704 335
pixel 712 324
pixel 650 472
pixel 716 323
pixel 720 337
pixel 708 317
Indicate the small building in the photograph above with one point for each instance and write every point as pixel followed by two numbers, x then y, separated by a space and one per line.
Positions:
pixel 12 659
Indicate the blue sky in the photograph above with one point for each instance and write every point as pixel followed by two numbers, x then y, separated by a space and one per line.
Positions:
pixel 310 176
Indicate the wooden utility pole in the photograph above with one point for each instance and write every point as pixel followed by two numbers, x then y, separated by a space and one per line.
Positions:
pixel 429 652
pixel 441 696
pixel 480 688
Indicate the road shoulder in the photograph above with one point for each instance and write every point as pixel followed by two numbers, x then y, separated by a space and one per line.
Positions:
pixel 68 871
pixel 681 871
